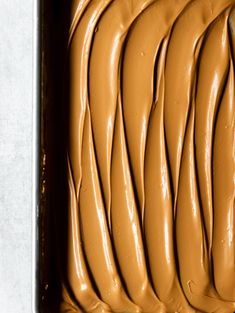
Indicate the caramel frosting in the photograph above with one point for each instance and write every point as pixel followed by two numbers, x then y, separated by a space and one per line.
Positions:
pixel 150 157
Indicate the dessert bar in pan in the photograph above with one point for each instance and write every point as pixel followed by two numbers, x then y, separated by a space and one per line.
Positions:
pixel 137 156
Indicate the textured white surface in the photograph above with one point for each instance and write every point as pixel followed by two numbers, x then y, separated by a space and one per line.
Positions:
pixel 16 21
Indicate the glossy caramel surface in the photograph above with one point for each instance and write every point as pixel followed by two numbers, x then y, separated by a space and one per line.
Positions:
pixel 151 157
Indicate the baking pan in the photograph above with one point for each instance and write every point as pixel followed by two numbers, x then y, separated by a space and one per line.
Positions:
pixel 50 124
pixel 49 220
pixel 41 167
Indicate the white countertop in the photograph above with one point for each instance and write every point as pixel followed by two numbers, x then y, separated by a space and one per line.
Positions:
pixel 16 29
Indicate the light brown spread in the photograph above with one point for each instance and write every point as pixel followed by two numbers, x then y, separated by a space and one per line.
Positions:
pixel 151 157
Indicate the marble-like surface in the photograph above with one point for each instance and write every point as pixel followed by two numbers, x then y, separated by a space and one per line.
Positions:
pixel 16 29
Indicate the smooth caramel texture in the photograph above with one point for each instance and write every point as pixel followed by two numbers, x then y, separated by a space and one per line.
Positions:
pixel 151 157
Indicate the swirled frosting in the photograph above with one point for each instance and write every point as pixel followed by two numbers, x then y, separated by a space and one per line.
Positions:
pixel 151 157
